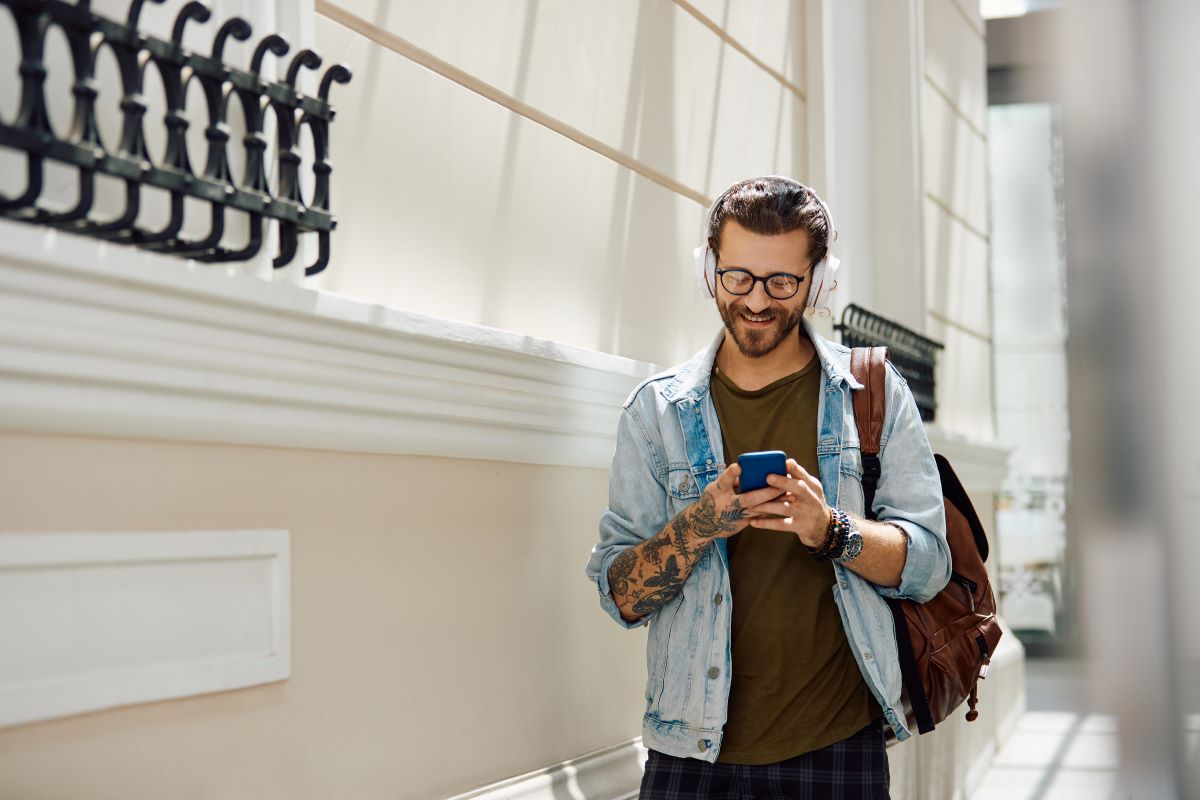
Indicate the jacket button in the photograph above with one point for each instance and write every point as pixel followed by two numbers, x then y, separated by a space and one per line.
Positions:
pixel 867 655
pixel 713 672
pixel 719 599
pixel 703 745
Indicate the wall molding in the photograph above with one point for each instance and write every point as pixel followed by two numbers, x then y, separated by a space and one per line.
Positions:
pixel 98 620
pixel 611 773
pixel 138 345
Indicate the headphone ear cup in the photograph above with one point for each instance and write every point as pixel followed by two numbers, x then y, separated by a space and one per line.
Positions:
pixel 704 263
pixel 816 283
pixel 823 282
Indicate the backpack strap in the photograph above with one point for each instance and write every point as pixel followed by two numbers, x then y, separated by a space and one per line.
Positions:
pixel 870 404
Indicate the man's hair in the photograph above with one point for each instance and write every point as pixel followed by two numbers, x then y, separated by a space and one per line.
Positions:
pixel 770 206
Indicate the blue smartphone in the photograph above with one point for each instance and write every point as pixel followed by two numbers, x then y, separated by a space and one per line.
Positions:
pixel 757 466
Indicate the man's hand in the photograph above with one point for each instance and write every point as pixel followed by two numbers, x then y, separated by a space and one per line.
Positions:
pixel 802 506
pixel 721 511
pixel 645 577
pixel 806 514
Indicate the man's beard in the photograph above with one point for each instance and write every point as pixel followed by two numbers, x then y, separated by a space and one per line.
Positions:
pixel 755 343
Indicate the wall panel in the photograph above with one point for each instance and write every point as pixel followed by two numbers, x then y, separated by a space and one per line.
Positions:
pixel 964 385
pixel 955 160
pixel 956 271
pixel 956 57
pixel 773 30
pixel 444 634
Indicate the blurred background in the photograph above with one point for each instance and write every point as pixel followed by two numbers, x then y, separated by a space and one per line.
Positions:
pixel 271 534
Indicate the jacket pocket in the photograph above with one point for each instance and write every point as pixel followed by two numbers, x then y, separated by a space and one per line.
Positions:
pixel 681 483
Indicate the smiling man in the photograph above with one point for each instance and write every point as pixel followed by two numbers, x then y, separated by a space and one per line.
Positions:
pixel 772 664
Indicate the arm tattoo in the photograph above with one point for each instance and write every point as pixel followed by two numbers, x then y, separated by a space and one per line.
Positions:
pixel 707 523
pixel 621 569
pixel 640 577
pixel 679 537
pixel 666 586
pixel 652 550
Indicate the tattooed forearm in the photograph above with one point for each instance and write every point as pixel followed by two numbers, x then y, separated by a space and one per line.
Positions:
pixel 652 550
pixel 646 577
pixel 665 586
pixel 680 535
pixel 621 569
pixel 708 523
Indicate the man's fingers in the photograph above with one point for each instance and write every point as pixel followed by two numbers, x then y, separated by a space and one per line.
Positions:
pixel 774 524
pixel 789 503
pixel 775 507
pixel 753 498
pixel 804 476
pixel 800 473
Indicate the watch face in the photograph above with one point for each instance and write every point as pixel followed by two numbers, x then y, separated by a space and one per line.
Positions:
pixel 853 547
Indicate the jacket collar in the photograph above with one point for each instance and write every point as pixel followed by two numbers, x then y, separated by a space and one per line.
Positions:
pixel 692 379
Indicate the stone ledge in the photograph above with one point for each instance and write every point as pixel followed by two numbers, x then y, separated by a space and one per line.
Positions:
pixel 108 340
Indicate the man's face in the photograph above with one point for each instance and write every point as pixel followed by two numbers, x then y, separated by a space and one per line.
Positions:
pixel 756 321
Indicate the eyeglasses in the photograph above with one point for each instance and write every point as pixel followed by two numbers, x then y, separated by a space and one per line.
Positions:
pixel 780 285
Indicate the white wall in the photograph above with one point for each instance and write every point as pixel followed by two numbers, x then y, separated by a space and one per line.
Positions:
pixel 954 157
pixel 452 204
pixel 849 181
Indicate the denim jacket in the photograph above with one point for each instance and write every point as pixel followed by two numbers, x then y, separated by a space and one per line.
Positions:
pixel 669 448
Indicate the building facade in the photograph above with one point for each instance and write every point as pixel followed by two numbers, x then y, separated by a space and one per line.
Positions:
pixel 348 514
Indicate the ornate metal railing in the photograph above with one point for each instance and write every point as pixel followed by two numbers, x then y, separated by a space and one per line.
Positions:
pixel 910 352
pixel 128 159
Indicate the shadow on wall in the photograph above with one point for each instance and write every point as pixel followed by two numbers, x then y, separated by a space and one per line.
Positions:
pixel 493 281
pixel 638 209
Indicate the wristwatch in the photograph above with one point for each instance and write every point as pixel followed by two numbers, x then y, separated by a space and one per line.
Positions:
pixel 853 545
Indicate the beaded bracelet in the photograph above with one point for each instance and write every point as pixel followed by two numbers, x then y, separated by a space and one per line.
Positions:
pixel 841 527
pixel 835 537
pixel 816 551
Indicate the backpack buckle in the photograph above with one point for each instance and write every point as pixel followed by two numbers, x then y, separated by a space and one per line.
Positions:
pixel 871 467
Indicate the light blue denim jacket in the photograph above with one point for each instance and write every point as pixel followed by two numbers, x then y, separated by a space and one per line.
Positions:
pixel 669 448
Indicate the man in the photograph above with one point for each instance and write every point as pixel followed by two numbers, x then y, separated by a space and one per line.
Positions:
pixel 771 656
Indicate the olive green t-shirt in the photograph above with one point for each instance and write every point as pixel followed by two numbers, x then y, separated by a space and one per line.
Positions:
pixel 795 684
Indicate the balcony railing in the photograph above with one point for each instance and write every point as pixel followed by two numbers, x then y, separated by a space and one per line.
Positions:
pixel 128 159
pixel 910 352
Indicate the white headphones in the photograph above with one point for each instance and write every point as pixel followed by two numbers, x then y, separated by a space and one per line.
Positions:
pixel 821 280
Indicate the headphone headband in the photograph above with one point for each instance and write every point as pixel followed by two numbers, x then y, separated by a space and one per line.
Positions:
pixel 708 218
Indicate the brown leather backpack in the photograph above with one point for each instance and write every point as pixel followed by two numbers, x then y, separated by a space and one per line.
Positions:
pixel 946 644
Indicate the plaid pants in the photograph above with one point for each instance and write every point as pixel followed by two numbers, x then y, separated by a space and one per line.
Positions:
pixel 856 767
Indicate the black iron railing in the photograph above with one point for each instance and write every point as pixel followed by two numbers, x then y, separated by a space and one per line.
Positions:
pixel 128 159
pixel 910 352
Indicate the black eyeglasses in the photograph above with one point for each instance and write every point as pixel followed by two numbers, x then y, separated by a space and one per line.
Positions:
pixel 780 285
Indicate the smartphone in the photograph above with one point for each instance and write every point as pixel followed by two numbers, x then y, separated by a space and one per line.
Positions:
pixel 757 466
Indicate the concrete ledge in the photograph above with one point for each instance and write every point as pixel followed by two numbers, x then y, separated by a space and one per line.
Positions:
pixel 612 773
pixel 106 340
